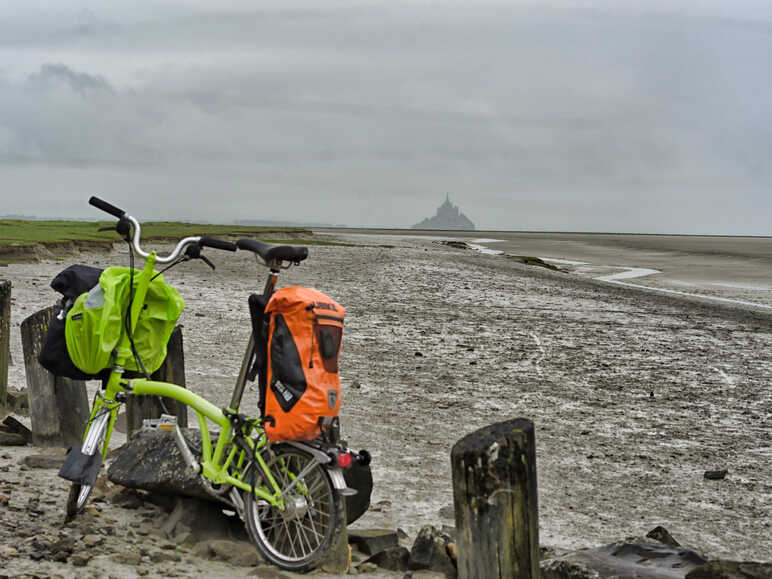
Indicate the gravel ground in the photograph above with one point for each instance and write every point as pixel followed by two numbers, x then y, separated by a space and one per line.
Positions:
pixel 634 396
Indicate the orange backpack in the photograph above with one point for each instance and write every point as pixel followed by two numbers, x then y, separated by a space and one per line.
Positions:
pixel 304 341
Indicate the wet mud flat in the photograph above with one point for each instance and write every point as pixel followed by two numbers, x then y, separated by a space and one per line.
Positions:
pixel 633 396
pixel 724 267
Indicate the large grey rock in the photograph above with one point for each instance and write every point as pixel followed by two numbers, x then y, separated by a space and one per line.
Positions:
pixel 722 569
pixel 638 558
pixel 393 559
pixel 239 553
pixel 46 461
pixel 566 569
pixel 10 424
pixel 430 551
pixel 201 520
pixel 150 460
pixel 662 535
pixel 372 541
pixel 11 439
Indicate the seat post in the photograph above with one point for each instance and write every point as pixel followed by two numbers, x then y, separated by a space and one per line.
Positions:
pixel 241 381
pixel 270 283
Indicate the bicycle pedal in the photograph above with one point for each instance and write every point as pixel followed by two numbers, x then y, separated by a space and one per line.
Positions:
pixel 165 422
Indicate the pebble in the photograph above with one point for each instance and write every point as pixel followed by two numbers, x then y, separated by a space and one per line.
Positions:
pixel 44 461
pixel 93 540
pixel 79 560
pixel 127 558
pixel 164 556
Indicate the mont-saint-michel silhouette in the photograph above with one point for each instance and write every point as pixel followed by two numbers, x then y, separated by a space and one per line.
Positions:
pixel 448 216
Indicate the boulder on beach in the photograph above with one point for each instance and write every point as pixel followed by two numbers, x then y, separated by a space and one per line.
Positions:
pixel 642 558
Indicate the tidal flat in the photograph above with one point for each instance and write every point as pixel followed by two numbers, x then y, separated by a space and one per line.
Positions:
pixel 634 394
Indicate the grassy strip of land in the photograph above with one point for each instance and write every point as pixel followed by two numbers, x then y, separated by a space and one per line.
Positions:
pixel 21 240
pixel 20 232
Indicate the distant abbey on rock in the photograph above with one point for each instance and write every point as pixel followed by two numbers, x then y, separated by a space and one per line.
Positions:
pixel 448 216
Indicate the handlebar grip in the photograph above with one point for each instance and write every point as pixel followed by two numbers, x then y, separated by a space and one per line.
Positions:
pixel 218 244
pixel 106 207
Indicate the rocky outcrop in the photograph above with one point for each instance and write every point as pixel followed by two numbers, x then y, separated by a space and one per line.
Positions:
pixel 641 558
pixel 448 216
pixel 372 541
pixel 432 550
pixel 721 569
pixel 14 433
pixel 151 461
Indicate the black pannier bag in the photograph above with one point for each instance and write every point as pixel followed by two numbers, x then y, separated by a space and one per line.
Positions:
pixel 257 303
pixel 70 282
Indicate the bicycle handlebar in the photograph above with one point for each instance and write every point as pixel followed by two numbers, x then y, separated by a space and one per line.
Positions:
pixel 106 207
pixel 178 249
pixel 176 252
pixel 218 244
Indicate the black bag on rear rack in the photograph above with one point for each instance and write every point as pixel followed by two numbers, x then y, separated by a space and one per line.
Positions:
pixel 257 303
pixel 70 282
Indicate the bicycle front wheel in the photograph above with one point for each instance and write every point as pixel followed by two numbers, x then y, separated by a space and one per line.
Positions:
pixel 92 444
pixel 296 537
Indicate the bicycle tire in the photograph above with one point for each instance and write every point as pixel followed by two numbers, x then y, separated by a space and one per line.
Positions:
pixel 93 440
pixel 297 538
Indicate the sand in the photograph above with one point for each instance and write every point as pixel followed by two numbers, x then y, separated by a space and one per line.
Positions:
pixel 634 395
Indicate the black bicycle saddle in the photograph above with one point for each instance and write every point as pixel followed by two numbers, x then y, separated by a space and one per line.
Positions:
pixel 270 252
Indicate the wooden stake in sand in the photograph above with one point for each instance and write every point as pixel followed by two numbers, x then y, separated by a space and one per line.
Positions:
pixel 172 370
pixel 494 493
pixel 58 406
pixel 5 340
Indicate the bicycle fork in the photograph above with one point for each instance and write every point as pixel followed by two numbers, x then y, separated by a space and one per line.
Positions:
pixel 82 463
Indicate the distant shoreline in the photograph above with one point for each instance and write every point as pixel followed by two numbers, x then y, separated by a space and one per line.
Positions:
pixel 704 272
pixel 478 232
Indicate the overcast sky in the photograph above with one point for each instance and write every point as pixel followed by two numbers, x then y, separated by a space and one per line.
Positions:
pixel 595 115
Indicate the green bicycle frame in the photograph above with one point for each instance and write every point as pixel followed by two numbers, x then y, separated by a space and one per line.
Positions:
pixel 216 465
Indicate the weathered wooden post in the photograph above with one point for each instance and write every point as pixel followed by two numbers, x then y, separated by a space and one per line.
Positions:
pixel 58 406
pixel 338 557
pixel 172 370
pixel 5 341
pixel 494 493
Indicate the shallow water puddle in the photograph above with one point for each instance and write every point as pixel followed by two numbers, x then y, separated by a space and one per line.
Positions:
pixel 630 273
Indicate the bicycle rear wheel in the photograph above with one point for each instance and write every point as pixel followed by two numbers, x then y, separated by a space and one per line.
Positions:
pixel 297 537
pixel 92 444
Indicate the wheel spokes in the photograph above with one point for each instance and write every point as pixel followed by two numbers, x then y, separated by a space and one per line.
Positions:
pixel 301 529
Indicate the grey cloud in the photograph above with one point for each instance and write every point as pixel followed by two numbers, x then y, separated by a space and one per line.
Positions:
pixel 51 75
pixel 602 109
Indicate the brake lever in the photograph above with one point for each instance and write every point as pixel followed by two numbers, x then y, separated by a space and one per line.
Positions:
pixel 206 261
pixel 123 227
pixel 193 251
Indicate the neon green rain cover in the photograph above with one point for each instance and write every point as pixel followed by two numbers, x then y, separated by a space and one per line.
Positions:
pixel 95 323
